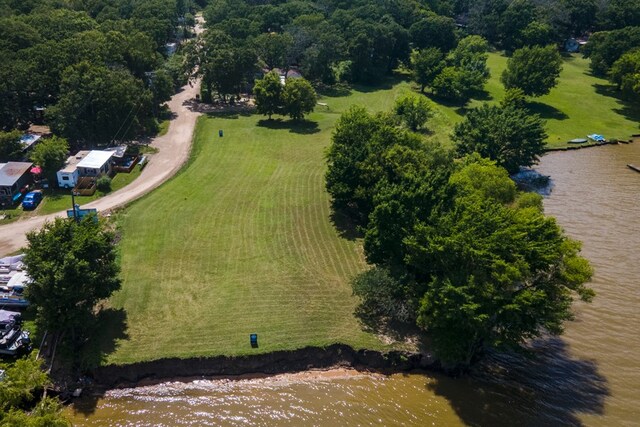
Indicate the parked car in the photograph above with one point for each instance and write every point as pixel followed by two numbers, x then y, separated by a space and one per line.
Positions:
pixel 32 200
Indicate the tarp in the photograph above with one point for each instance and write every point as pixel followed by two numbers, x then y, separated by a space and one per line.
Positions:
pixel 7 316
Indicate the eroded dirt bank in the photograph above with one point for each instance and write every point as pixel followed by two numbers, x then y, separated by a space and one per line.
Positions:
pixel 279 362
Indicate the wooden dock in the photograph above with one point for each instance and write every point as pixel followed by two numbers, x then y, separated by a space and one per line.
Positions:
pixel 633 167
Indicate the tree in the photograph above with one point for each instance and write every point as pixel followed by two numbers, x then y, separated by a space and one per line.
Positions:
pixel 298 98
pixel 605 48
pixel 498 275
pixel 72 266
pixel 22 380
pixel 99 104
pixel 426 64
pixel 10 146
pixel 51 155
pixel 625 74
pixel 348 150
pixel 382 297
pixel 268 94
pixel 512 137
pixel 434 31
pixel 413 110
pixel 450 84
pixel 513 22
pixel 535 70
pixel 225 66
pixel 273 48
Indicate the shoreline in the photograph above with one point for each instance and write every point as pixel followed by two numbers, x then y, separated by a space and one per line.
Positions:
pixel 297 362
pixel 571 147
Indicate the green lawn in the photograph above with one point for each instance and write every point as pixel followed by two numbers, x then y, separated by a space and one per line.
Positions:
pixel 241 241
pixel 581 104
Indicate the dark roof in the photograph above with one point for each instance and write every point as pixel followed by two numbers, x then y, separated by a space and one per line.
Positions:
pixel 11 172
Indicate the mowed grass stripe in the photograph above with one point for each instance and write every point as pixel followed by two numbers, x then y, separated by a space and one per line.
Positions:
pixel 239 242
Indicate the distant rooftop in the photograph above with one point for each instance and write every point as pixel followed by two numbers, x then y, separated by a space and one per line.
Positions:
pixel 12 171
pixel 28 139
pixel 95 159
pixel 72 162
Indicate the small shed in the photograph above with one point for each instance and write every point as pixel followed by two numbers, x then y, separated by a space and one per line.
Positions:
pixel 14 177
pixel 96 163
pixel 68 176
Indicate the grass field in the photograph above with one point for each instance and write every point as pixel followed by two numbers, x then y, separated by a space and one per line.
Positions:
pixel 242 241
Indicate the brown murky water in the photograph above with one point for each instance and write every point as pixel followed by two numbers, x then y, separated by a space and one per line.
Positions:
pixel 591 376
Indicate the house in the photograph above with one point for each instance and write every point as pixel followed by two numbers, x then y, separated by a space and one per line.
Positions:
pixel 14 177
pixel 68 177
pixel 95 164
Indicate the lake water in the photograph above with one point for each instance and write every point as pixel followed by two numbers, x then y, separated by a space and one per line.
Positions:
pixel 590 376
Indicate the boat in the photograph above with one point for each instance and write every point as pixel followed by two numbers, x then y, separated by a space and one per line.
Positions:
pixel 11 299
pixel 12 338
pixel 19 342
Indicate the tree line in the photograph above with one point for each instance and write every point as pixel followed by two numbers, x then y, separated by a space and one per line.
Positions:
pixel 454 247
pixel 98 67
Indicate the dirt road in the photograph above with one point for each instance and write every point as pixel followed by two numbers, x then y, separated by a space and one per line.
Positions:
pixel 173 152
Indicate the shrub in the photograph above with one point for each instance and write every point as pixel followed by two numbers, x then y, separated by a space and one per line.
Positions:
pixel 104 184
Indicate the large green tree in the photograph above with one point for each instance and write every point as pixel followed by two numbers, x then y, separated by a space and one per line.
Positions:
pixel 10 146
pixel 606 47
pixel 98 104
pixel 434 31
pixel 426 64
pixel 72 266
pixel 51 155
pixel 268 94
pixel 497 274
pixel 625 74
pixel 273 48
pixel 511 136
pixel 298 98
pixel 20 391
pixel 413 110
pixel 535 70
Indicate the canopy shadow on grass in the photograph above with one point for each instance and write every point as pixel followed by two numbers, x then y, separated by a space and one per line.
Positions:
pixel 546 111
pixel 345 225
pixel 111 327
pixel 627 109
pixel 546 387
pixel 304 127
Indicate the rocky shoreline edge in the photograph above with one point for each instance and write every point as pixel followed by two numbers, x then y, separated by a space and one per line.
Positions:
pixel 273 363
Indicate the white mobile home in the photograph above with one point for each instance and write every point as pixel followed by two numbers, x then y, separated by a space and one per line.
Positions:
pixel 96 163
pixel 68 177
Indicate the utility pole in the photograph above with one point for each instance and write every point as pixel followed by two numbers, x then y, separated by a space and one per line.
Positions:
pixel 74 206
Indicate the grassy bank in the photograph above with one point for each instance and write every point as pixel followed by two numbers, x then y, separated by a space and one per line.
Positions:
pixel 581 104
pixel 242 240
